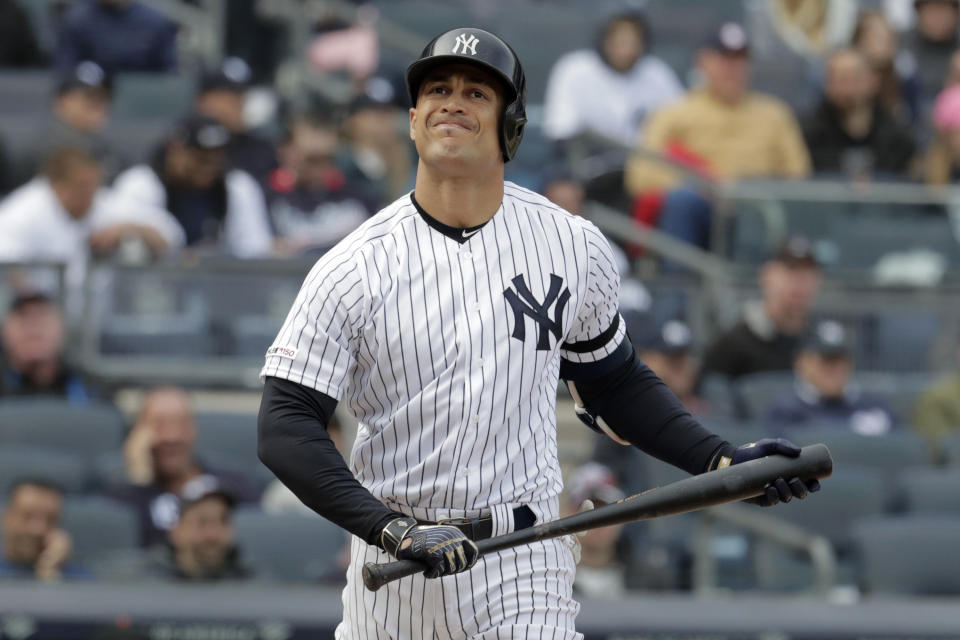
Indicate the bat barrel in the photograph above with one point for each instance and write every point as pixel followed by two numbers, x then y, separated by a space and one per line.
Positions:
pixel 738 482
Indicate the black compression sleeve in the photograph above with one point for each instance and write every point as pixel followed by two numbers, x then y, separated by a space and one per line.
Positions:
pixel 293 443
pixel 641 409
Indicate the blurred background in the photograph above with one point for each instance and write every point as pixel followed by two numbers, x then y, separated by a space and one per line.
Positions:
pixel 777 175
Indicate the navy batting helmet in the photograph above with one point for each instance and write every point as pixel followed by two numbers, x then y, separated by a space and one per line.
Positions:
pixel 482 48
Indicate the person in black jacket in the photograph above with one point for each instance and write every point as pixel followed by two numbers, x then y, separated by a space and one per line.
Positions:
pixel 849 132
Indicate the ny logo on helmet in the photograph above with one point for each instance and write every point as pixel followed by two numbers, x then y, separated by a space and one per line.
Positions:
pixel 525 304
pixel 466 42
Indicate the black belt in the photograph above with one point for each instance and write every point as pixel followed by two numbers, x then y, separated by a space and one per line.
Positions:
pixel 482 528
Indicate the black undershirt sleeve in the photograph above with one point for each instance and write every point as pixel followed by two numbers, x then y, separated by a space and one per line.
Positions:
pixel 293 443
pixel 636 404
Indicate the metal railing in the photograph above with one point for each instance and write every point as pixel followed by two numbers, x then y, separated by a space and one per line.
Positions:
pixel 817 547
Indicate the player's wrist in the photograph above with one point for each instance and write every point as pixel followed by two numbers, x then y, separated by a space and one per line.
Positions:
pixel 394 532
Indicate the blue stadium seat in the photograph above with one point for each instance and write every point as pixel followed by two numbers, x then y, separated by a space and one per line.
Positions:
pixel 909 555
pixel 893 451
pixel 758 391
pixel 289 547
pixel 85 430
pixel 152 95
pixel 67 470
pixel 99 527
pixel 25 92
pixel 931 491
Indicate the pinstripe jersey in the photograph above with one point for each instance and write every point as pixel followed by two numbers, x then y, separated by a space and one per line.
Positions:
pixel 449 353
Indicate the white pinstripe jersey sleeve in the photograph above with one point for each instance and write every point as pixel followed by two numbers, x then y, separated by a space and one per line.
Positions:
pixel 316 345
pixel 598 329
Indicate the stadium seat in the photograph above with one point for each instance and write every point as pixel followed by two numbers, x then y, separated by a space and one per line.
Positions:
pixel 909 555
pixel 290 547
pixel 229 441
pixel 25 92
pixel 53 423
pixel 892 451
pixel 152 95
pixel 930 491
pixel 67 470
pixel 99 527
pixel 758 391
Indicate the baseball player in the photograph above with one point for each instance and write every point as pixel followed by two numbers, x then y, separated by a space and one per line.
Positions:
pixel 445 323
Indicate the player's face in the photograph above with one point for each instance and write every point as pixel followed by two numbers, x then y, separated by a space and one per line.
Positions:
pixel 32 514
pixel 205 533
pixel 455 125
pixel 33 334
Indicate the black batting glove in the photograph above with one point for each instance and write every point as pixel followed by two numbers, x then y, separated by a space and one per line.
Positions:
pixel 444 549
pixel 781 489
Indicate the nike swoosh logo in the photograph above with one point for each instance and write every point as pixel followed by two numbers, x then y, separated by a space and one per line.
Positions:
pixel 466 234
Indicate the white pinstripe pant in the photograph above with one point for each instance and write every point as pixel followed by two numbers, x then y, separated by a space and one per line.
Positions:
pixel 515 594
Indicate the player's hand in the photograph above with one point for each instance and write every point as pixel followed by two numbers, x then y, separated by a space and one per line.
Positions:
pixel 443 548
pixel 781 489
pixel 56 550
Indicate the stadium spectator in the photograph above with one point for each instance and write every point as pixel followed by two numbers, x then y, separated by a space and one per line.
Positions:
pixel 160 463
pixel 219 208
pixel 723 131
pixel 119 35
pixel 937 414
pixel 18 40
pixel 601 570
pixel 825 393
pixel 65 215
pixel 850 133
pixel 201 546
pixel 791 39
pixel 609 91
pixel 80 112
pixel 769 333
pixel 33 361
pixel 377 154
pixel 931 44
pixel 669 352
pixel 942 161
pixel 312 205
pixel 34 545
pixel 221 95
pixel 897 88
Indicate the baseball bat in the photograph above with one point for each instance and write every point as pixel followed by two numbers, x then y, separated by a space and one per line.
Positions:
pixel 738 482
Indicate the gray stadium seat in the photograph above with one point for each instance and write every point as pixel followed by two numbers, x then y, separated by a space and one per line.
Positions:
pixel 152 95
pixel 99 527
pixel 893 451
pixel 290 547
pixel 758 391
pixel 910 555
pixel 229 441
pixel 67 470
pixel 25 92
pixel 849 494
pixel 931 491
pixel 85 430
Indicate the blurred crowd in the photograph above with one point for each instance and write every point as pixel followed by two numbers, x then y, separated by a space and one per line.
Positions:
pixel 847 90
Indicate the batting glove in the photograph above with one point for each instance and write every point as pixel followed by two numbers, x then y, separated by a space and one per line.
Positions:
pixel 781 489
pixel 444 549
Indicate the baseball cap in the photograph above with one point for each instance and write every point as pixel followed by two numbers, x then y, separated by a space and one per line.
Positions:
pixel 828 338
pixel 593 481
pixel 797 251
pixel 673 338
pixel 202 132
pixel 378 93
pixel 232 74
pixel 86 75
pixel 729 37
pixel 202 487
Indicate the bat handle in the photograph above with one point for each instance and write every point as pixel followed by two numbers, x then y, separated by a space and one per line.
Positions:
pixel 376 575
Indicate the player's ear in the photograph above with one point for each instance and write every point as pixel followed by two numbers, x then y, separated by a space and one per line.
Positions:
pixel 413 122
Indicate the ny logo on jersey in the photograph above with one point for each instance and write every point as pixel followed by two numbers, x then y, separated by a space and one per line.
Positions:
pixel 466 42
pixel 524 304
